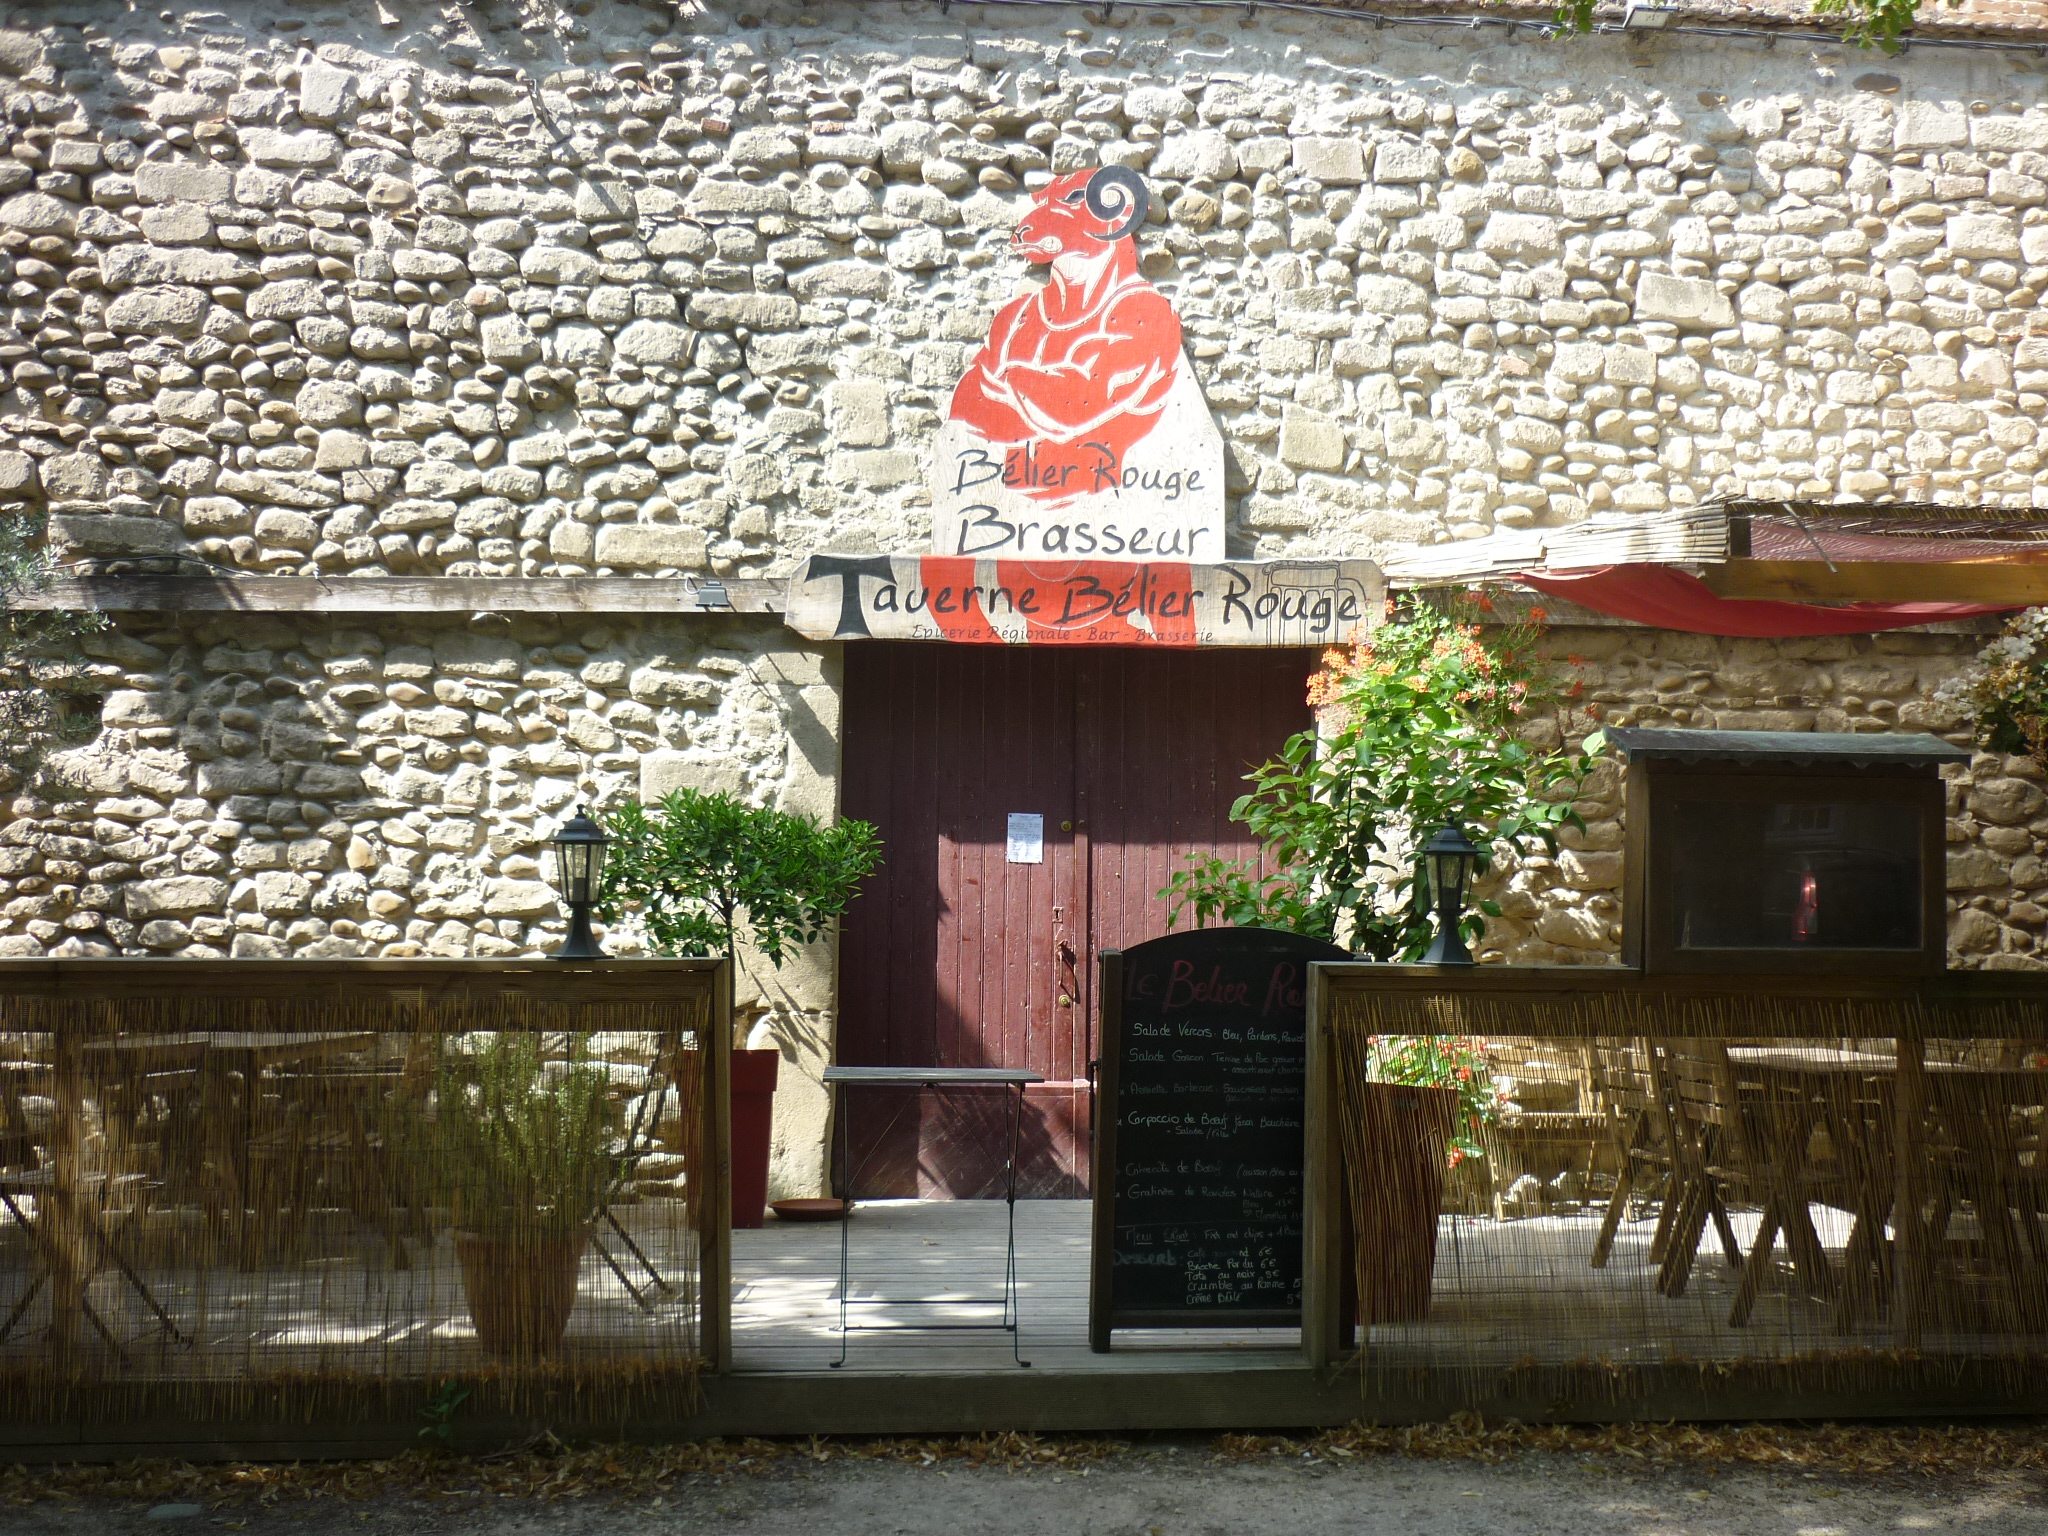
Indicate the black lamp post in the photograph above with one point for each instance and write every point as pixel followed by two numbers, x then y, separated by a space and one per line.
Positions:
pixel 1450 857
pixel 579 864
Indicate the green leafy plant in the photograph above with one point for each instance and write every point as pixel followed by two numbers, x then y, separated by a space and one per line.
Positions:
pixel 518 1145
pixel 1875 23
pixel 46 700
pixel 1866 23
pixel 442 1403
pixel 2004 694
pixel 1457 1062
pixel 704 870
pixel 1422 725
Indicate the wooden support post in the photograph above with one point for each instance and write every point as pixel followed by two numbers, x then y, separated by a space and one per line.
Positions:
pixel 66 1220
pixel 1323 1327
pixel 714 1306
pixel 1909 1256
pixel 1102 1174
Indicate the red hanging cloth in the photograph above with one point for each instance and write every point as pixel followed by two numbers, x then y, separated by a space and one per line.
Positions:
pixel 1664 598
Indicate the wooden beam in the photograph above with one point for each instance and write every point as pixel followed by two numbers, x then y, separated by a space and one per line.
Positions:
pixel 1909 1199
pixel 1880 581
pixel 92 984
pixel 362 1416
pixel 1109 1050
pixel 660 596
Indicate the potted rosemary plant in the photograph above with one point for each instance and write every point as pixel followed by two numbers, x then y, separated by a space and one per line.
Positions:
pixel 523 1150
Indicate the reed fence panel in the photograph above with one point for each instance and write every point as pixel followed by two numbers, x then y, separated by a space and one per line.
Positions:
pixel 1831 1185
pixel 256 1190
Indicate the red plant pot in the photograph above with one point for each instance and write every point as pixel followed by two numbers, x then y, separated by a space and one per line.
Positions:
pixel 753 1125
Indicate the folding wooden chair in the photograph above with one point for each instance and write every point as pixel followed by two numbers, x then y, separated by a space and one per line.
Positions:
pixel 673 1073
pixel 20 1184
pixel 1635 1131
pixel 1701 1124
pixel 1751 1139
pixel 1555 1127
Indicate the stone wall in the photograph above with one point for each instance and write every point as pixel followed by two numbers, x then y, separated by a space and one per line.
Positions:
pixel 395 298
pixel 283 786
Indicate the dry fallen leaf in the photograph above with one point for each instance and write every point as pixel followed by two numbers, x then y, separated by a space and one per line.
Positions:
pixel 545 1468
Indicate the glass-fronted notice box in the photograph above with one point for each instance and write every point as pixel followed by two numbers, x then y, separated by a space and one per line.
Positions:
pixel 1784 851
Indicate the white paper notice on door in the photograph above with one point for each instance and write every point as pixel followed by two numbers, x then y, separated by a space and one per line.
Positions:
pixel 1027 838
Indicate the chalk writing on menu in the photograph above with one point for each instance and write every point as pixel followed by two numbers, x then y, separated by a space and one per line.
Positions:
pixel 1208 1113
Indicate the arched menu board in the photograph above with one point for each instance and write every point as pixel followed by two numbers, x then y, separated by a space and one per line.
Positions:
pixel 1198 1142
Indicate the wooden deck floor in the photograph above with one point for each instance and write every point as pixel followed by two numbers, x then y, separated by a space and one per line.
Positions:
pixel 1505 1292
pixel 786 1284
pixel 341 1305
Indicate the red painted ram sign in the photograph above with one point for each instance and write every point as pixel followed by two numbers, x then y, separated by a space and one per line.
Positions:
pixel 1079 431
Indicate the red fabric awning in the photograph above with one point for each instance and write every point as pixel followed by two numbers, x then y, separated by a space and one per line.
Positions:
pixel 1664 598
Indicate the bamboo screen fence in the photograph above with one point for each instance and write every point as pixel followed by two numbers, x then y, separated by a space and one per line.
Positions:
pixel 355 1189
pixel 1836 1186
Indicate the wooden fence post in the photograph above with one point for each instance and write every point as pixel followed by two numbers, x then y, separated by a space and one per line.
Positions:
pixel 1909 1257
pixel 1322 1189
pixel 1102 1176
pixel 714 1306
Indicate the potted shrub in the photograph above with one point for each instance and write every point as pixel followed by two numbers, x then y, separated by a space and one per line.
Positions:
pixel 524 1151
pixel 1432 719
pixel 1418 1113
pixel 702 872
pixel 2004 693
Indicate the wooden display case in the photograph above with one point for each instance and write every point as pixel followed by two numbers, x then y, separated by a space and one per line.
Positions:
pixel 1784 852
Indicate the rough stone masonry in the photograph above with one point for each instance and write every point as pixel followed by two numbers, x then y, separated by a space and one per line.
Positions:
pixel 623 289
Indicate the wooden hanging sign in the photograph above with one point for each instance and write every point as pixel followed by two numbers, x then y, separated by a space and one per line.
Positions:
pixel 1079 429
pixel 1084 602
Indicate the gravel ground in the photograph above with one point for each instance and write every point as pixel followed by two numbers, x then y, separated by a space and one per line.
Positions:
pixel 1156 1488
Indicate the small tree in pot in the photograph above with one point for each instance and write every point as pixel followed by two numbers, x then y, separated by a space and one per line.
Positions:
pixel 705 871
pixel 1424 723
pixel 524 1151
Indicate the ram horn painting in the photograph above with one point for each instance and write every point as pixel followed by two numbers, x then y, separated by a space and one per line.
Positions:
pixel 1078 430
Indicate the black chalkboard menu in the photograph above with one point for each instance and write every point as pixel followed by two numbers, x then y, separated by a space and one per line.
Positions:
pixel 1198 1141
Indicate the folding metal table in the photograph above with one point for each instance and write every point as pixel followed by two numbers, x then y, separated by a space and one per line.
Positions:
pixel 1005 1078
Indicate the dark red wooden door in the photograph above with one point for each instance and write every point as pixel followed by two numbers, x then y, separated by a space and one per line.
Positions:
pixel 954 956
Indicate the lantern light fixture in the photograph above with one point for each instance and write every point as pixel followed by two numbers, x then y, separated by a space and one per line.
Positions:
pixel 1449 857
pixel 580 845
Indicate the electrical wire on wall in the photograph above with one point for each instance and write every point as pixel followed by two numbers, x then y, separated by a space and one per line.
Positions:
pixel 1250 9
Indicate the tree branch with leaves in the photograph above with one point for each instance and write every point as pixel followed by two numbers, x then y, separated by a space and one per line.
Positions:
pixel 1422 725
pixel 45 702
pixel 1876 24
pixel 704 871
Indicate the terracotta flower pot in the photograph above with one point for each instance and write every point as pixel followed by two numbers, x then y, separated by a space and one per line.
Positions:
pixel 521 1290
pixel 1398 1191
